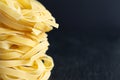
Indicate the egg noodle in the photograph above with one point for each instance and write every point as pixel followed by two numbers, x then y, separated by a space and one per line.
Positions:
pixel 23 40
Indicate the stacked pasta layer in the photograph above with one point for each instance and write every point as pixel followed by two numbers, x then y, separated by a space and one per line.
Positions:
pixel 23 40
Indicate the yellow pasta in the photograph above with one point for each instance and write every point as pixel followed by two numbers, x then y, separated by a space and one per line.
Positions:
pixel 23 40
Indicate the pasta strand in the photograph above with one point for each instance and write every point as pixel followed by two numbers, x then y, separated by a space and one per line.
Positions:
pixel 23 40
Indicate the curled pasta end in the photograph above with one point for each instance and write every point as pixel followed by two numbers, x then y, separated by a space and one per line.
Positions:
pixel 23 40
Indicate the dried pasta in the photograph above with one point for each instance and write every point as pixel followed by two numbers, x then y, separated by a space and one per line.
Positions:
pixel 23 40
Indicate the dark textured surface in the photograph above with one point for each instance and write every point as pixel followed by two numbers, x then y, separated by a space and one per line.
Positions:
pixel 87 44
pixel 86 57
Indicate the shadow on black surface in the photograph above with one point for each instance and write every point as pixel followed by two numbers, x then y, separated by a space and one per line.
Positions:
pixel 85 57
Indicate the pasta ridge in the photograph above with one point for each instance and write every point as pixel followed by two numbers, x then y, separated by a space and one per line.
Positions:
pixel 23 40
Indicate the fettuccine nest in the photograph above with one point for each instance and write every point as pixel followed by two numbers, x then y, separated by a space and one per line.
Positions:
pixel 23 40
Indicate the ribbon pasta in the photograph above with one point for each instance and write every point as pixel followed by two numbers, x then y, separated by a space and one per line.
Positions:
pixel 23 40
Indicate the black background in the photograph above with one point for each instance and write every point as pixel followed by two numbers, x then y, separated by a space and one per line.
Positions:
pixel 87 44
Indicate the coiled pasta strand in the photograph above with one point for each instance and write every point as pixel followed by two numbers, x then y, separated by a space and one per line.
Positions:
pixel 23 40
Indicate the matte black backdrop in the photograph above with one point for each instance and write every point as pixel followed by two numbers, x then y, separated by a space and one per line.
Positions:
pixel 87 44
